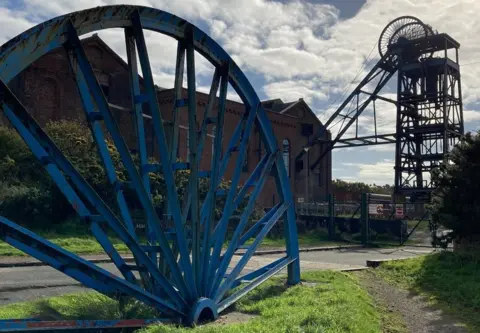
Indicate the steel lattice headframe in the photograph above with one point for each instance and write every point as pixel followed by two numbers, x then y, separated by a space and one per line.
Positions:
pixel 181 276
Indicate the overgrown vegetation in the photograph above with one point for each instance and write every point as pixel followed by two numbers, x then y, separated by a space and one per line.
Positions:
pixel 359 187
pixel 450 280
pixel 331 302
pixel 456 202
pixel 28 195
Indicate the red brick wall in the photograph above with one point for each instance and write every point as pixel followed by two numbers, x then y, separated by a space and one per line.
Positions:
pixel 49 92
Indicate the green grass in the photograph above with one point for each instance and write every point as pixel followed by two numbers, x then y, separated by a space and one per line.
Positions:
pixel 75 244
pixel 451 281
pixel 80 242
pixel 423 226
pixel 332 302
pixel 84 306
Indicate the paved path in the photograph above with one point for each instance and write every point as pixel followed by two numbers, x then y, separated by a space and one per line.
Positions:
pixel 27 283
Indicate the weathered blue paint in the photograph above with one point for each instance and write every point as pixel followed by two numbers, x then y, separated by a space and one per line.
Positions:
pixel 40 143
pixel 262 278
pixel 229 204
pixel 76 267
pixel 217 294
pixel 177 286
pixel 186 267
pixel 267 166
pixel 250 277
pixel 22 325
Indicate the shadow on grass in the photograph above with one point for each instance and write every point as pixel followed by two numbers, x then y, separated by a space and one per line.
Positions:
pixel 450 280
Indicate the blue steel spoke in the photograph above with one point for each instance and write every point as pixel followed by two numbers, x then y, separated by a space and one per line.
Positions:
pixel 217 294
pixel 178 98
pixel 70 194
pixel 40 143
pixel 285 194
pixel 167 169
pixel 223 165
pixel 192 200
pixel 203 131
pixel 257 226
pixel 208 111
pixel 91 110
pixel 229 204
pixel 76 267
pixel 262 278
pixel 139 124
pixel 246 186
pixel 243 220
pixel 123 150
pixel 137 106
pixel 251 276
pixel 210 200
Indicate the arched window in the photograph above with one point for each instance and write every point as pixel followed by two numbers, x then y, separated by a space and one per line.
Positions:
pixel 286 155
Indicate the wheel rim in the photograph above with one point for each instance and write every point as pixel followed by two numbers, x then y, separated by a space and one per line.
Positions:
pixel 170 281
pixel 401 26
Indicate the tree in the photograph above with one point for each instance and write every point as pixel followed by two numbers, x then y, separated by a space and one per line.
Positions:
pixel 359 187
pixel 456 201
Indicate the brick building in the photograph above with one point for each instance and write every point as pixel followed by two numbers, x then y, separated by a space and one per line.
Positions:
pixel 48 90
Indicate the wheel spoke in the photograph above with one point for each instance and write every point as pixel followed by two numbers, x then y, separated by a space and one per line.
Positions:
pixel 76 267
pixel 192 199
pixel 217 295
pixel 127 160
pixel 166 168
pixel 210 200
pixel 40 145
pixel 228 209
pixel 260 179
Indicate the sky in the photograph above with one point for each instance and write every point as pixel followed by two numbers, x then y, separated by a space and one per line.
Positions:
pixel 294 49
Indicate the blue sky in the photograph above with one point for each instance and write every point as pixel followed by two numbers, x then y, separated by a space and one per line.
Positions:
pixel 292 49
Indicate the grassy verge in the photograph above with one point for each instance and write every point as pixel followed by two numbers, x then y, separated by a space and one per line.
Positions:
pixel 83 243
pixel 331 302
pixel 73 243
pixel 450 280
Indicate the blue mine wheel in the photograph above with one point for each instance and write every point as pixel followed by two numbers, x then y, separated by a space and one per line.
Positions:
pixel 181 266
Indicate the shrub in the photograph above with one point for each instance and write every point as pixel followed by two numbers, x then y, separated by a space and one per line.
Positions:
pixel 31 206
pixel 456 202
pixel 30 195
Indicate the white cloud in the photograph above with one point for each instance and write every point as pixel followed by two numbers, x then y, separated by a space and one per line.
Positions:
pixel 471 116
pixel 380 172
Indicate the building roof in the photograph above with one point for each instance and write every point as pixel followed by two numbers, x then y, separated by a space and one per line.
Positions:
pixel 273 105
pixel 277 105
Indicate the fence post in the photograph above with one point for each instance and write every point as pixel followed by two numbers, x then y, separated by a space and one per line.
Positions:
pixel 331 217
pixel 364 218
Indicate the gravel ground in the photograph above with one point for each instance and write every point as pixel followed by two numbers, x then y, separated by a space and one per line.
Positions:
pixel 417 314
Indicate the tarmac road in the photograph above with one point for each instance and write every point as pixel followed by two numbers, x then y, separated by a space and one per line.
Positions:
pixel 27 283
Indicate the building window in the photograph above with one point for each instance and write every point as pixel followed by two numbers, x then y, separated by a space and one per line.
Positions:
pixel 286 155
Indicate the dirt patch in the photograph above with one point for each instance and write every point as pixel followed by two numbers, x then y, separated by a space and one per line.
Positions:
pixel 418 316
pixel 233 318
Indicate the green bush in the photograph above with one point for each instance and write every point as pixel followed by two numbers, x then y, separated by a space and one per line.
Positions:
pixel 31 206
pixel 456 202
pixel 30 197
